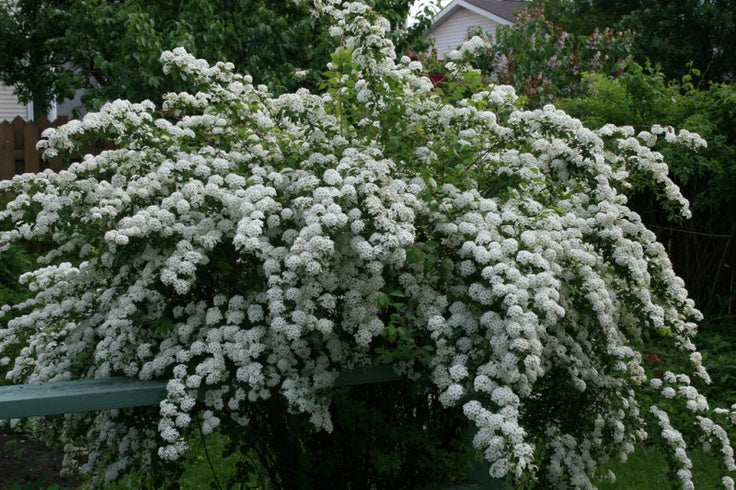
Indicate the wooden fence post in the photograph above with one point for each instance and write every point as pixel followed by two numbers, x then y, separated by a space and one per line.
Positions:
pixel 18 125
pixel 31 156
pixel 7 151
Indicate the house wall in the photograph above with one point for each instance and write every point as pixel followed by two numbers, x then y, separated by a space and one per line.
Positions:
pixel 9 106
pixel 72 108
pixel 454 30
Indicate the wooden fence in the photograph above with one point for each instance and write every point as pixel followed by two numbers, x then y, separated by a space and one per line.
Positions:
pixel 18 153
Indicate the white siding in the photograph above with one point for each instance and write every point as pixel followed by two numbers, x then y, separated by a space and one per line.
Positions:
pixel 453 31
pixel 9 106
pixel 68 106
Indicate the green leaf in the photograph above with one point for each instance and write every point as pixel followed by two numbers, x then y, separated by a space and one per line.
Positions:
pixel 164 325
pixel 383 301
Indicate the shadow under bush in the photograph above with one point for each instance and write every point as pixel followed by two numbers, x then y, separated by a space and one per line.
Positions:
pixel 389 435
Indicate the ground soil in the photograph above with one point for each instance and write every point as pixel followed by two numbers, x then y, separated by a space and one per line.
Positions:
pixel 27 463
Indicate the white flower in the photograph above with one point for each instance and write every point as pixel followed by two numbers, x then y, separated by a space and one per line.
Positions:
pixel 249 246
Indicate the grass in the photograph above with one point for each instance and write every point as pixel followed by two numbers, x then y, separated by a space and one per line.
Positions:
pixel 198 473
pixel 204 463
pixel 647 469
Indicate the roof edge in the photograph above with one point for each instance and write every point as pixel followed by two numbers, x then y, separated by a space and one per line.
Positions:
pixel 445 13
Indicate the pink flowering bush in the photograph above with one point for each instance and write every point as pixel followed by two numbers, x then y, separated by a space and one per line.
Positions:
pixel 543 61
pixel 249 247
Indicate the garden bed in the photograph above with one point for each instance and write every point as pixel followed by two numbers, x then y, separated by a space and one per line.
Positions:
pixel 26 462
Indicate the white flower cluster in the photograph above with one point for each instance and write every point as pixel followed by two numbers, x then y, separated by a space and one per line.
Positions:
pixel 238 248
pixel 673 437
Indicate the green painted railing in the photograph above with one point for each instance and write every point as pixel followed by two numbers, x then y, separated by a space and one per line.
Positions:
pixel 87 395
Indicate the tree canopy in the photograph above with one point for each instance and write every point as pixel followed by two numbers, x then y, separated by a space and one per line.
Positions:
pixel 669 33
pixel 111 48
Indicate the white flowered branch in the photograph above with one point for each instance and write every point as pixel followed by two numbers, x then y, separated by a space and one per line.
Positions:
pixel 246 243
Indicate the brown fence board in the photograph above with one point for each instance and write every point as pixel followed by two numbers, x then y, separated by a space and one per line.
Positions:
pixel 18 124
pixel 7 151
pixel 18 140
pixel 31 156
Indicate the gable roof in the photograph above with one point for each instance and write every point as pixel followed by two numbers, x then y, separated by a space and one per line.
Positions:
pixel 501 11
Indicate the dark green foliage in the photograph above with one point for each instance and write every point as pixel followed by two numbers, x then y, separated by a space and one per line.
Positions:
pixel 668 33
pixel 389 435
pixel 16 260
pixel 716 340
pixel 112 48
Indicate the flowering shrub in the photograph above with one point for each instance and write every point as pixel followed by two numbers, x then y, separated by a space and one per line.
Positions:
pixel 248 247
pixel 543 61
pixel 707 177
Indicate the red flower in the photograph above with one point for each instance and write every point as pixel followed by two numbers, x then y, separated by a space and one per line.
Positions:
pixel 653 359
